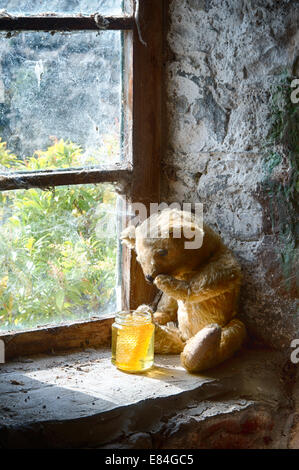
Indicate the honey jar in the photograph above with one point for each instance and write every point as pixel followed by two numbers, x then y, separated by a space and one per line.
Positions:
pixel 133 341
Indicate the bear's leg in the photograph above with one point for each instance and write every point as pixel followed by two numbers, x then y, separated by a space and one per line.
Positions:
pixel 201 348
pixel 232 337
pixel 166 310
pixel 213 345
pixel 168 340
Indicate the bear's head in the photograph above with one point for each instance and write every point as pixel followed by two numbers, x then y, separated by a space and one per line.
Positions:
pixel 168 242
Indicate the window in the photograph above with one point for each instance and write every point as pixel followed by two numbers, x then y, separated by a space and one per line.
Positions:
pixel 80 115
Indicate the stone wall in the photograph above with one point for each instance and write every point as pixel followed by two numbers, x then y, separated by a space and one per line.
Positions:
pixel 224 59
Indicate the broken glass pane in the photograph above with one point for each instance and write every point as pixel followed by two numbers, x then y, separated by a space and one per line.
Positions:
pixel 33 7
pixel 60 88
pixel 58 252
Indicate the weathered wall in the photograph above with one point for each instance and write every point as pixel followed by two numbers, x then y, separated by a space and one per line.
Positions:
pixel 222 59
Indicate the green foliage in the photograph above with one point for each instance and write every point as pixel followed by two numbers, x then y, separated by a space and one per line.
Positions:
pixel 282 148
pixel 53 266
pixel 7 159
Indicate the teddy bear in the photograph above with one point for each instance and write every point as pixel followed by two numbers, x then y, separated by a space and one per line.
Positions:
pixel 200 288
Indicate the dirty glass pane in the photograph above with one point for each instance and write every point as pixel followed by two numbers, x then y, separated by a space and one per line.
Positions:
pixel 58 89
pixel 33 7
pixel 58 253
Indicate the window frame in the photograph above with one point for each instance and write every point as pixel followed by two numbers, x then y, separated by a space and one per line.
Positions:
pixel 138 178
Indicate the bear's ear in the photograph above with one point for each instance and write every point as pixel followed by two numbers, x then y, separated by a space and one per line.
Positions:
pixel 128 236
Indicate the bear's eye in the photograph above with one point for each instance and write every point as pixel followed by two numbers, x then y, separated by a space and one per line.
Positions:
pixel 162 252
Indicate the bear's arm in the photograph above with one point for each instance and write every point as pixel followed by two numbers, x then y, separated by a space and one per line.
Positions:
pixel 221 274
pixel 166 310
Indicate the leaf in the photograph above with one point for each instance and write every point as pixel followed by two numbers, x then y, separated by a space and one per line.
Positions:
pixel 29 243
pixel 59 298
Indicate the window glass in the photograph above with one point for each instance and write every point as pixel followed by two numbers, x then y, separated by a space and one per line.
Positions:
pixel 31 7
pixel 60 88
pixel 58 251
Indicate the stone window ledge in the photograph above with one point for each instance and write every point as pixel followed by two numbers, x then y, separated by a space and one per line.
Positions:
pixel 81 400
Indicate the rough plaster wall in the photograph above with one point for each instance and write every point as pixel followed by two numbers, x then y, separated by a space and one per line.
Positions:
pixel 223 57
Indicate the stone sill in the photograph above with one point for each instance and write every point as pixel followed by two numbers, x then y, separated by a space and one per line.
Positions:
pixel 81 400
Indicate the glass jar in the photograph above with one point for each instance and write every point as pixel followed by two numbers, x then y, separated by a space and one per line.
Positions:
pixel 133 341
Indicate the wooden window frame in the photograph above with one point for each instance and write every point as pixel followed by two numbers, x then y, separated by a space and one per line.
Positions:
pixel 140 179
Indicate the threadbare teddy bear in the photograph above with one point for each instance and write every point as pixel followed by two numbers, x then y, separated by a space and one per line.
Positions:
pixel 200 288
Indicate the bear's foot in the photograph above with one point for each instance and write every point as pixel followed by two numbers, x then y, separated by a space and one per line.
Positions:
pixel 213 345
pixel 201 348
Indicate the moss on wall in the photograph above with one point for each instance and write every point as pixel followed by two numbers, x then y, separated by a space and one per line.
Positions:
pixel 281 175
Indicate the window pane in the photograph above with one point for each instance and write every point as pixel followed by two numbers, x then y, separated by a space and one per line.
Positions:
pixel 58 252
pixel 56 89
pixel 31 7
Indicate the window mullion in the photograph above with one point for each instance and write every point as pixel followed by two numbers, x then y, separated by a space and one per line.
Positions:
pixel 48 178
pixel 65 23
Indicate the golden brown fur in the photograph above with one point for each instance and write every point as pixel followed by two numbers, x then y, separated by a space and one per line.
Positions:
pixel 200 292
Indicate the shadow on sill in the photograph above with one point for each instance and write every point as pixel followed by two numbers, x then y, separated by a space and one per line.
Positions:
pixel 82 400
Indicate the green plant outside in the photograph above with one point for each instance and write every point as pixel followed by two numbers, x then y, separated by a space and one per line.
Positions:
pixel 53 266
